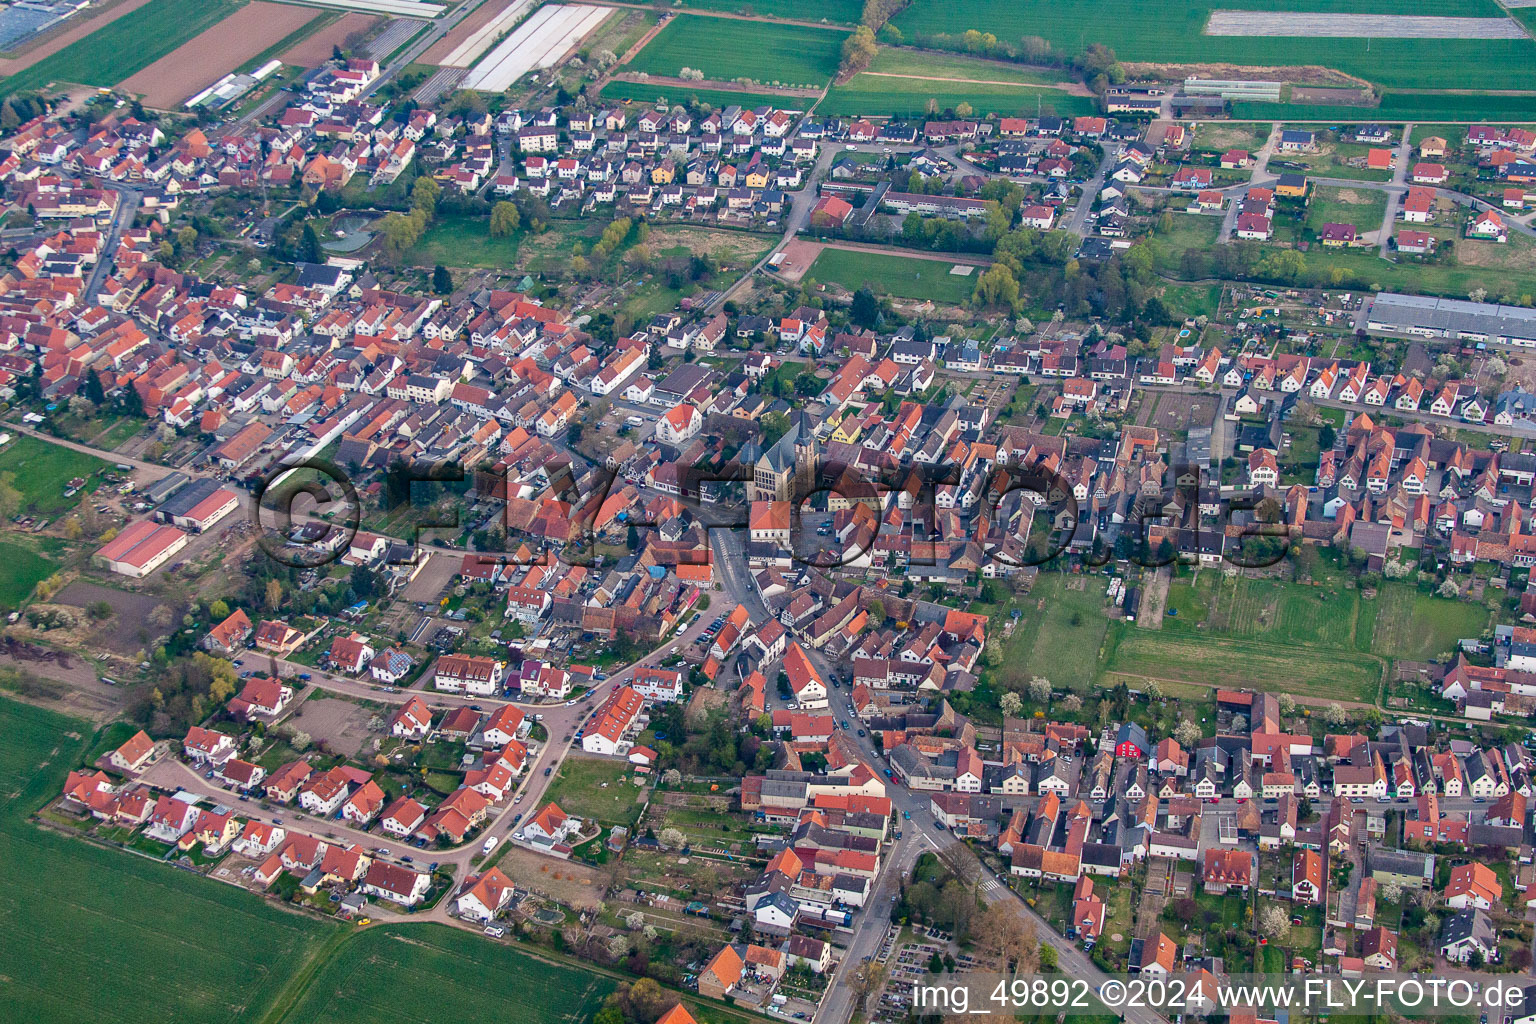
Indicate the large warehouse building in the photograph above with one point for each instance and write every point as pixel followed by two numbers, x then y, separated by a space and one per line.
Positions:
pixel 142 548
pixel 1452 318
pixel 199 505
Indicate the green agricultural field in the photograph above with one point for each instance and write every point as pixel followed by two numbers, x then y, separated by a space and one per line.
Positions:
pixel 895 60
pixel 1169 31
pixel 43 471
pixel 1401 106
pixel 1260 664
pixel 591 787
pixel 147 934
pixel 122 47
pixel 846 12
pixel 431 972
pixel 647 92
pixel 21 569
pixel 905 277
pixel 882 94
pixel 1197 231
pixel 726 49
pixel 1417 627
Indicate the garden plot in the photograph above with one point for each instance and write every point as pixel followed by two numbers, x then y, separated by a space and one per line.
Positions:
pixel 1358 26
pixel 539 42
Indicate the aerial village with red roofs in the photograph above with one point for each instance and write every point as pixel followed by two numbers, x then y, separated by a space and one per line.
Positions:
pixel 699 515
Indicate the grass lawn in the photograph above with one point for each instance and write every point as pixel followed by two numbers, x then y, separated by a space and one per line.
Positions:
pixel 1193 300
pixel 118 433
pixel 1416 627
pixel 1273 666
pixel 1220 136
pixel 1188 231
pixel 21 569
pixel 1361 207
pixel 905 277
pixel 646 92
pixel 408 974
pixel 1058 635
pixel 462 241
pixel 1171 31
pixel 909 96
pixel 590 787
pixel 124 46
pixel 43 471
pixel 726 49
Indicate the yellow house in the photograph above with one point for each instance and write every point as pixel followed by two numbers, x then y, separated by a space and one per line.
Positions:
pixel 1434 145
pixel 757 179
pixel 1293 186
pixel 663 173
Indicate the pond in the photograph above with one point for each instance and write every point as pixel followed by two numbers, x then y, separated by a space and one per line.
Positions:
pixel 348 234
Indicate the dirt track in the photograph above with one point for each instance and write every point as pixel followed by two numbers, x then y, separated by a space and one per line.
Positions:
pixel 209 55
pixel 316 49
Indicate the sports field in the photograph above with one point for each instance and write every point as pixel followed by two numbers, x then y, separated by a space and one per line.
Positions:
pixel 905 277
pixel 726 49
pixel 436 973
pixel 100 934
pixel 126 45
pixel 1169 31
pixel 43 471
pixel 909 96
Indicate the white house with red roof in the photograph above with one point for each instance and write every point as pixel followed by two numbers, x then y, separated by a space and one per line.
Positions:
pixel 135 755
pixel 208 747
pixel 613 721
pixel 804 681
pixel 465 673
pixel 413 721
pixel 396 883
pixel 403 817
pixel 681 423
pixel 350 654
pixel 262 697
pixel 484 895
pixel 507 723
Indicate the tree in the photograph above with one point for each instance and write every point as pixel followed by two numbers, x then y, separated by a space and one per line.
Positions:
pixel 1008 937
pixel 1286 703
pixel 859 50
pixel 504 219
pixel 1040 690
pixel 963 109
pixel 309 245
pixel 274 595
pixel 1071 704
pixel 218 610
pixel 1274 921
pixel 672 838
pixel 442 280
pixel 424 193
pixel 1010 704
pixel 1449 589
pixel 997 287
pixel 1335 715
pixel 868 978
pixel 1153 690
pixel 865 311
pixel 93 389
pixel 1187 734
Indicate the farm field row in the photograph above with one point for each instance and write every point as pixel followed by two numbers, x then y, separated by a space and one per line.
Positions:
pixel 651 92
pixel 909 97
pixel 1165 31
pixel 124 46
pixel 148 934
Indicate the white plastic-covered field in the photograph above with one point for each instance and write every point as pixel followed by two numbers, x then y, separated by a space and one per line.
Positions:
pixel 539 42
pixel 393 8
pixel 1319 25
pixel 467 52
